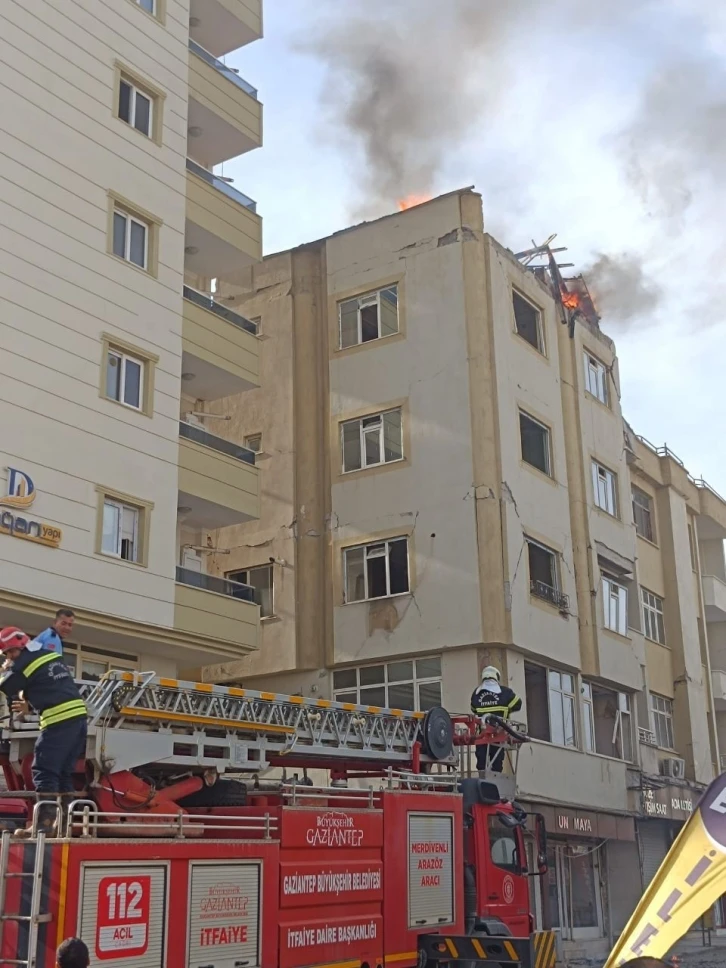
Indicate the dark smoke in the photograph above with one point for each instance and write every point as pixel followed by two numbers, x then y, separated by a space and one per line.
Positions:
pixel 621 289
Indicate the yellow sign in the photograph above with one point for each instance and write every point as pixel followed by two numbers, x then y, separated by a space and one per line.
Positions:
pixel 689 881
pixel 21 494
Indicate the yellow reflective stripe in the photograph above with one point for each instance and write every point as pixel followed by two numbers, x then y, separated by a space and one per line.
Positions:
pixel 491 709
pixel 513 702
pixel 37 663
pixel 65 710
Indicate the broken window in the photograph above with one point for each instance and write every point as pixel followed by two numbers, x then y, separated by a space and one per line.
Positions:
pixel 367 441
pixel 528 321
pixel 596 379
pixel 369 317
pixel 607 721
pixel 261 579
pixel 604 485
pixel 376 570
pixel 544 577
pixel 409 684
pixel 550 704
pixel 643 514
pixel 535 440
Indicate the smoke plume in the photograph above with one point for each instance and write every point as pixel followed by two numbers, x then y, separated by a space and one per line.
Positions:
pixel 621 289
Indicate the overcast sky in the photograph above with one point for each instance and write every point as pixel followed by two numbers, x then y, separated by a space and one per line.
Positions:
pixel 607 127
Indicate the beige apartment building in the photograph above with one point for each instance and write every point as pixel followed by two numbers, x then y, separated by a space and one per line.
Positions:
pixel 112 230
pixel 447 481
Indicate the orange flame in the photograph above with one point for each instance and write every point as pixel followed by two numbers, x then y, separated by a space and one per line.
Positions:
pixel 410 200
pixel 570 300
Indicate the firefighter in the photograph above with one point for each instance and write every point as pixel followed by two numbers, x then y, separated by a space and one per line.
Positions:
pixel 491 698
pixel 40 679
pixel 72 953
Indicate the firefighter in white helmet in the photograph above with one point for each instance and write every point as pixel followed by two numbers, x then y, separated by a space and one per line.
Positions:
pixel 491 698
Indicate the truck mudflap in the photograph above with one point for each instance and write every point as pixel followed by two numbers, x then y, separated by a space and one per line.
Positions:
pixel 537 951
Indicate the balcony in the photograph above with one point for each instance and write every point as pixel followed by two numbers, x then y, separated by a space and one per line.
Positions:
pixel 714 598
pixel 718 688
pixel 224 25
pixel 225 117
pixel 223 232
pixel 220 349
pixel 218 480
pixel 549 594
pixel 218 609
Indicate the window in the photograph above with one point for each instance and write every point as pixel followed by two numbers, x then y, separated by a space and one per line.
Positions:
pixel 376 570
pixel 503 846
pixel 130 238
pixel 544 578
pixel 124 379
pixel 692 547
pixel 643 514
pixel 596 379
pixel 373 440
pixel 253 442
pixel 653 622
pixel 148 5
pixel 91 664
pixel 550 704
pixel 261 579
pixel 535 439
pixel 662 709
pixel 604 485
pixel 410 684
pixel 120 530
pixel 607 721
pixel 528 321
pixel 369 317
pixel 135 106
pixel 615 605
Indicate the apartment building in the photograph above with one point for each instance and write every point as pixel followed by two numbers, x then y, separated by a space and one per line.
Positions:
pixel 447 482
pixel 114 226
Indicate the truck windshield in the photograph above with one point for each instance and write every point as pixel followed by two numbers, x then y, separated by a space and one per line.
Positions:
pixel 503 846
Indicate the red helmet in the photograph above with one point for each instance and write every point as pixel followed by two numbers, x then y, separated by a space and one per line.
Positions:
pixel 12 638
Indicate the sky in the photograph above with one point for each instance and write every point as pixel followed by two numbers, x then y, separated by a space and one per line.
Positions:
pixel 604 123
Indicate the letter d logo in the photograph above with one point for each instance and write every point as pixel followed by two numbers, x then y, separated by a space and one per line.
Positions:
pixel 21 490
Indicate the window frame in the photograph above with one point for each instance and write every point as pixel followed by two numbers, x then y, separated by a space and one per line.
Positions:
pixel 248 439
pixel 85 653
pixel 143 511
pixel 416 681
pixel 130 221
pixel 623 721
pixel 648 510
pixel 541 345
pixel 133 214
pixel 362 435
pixel 611 478
pixel 652 607
pixel 111 344
pixel 548 470
pixel 270 568
pixel 662 718
pixel 123 358
pixel 601 372
pixel 121 508
pixel 134 93
pixel 558 599
pixel 159 9
pixel 572 698
pixel 609 583
pixel 386 543
pixel 364 299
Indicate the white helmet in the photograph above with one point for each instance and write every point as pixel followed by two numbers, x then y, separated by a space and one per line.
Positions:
pixel 491 672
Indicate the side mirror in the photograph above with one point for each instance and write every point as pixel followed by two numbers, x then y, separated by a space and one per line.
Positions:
pixel 541 838
pixel 508 820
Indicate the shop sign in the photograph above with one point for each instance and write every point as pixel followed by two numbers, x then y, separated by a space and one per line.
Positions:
pixel 20 495
pixel 668 803
pixel 565 822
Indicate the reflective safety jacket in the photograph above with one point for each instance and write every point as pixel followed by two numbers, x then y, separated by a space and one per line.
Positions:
pixel 485 703
pixel 47 684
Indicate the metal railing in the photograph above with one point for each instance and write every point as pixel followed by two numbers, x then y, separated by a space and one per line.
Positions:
pixel 201 436
pixel 213 583
pixel 85 820
pixel 665 451
pixel 227 72
pixel 221 185
pixel 647 736
pixel 208 303
pixel 549 594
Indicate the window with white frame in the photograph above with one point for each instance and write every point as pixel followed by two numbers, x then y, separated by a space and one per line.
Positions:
pixel 121 529
pixel 562 708
pixel 643 514
pixel 412 684
pixel 91 664
pixel 607 721
pixel 662 710
pixel 544 574
pixel 528 321
pixel 130 238
pixel 376 570
pixel 368 441
pixel 148 5
pixel 535 441
pixel 596 379
pixel 615 605
pixel 653 620
pixel 124 379
pixel 135 106
pixel 261 579
pixel 605 488
pixel 368 317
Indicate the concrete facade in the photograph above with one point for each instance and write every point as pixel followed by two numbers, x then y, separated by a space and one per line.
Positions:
pixel 110 110
pixel 508 469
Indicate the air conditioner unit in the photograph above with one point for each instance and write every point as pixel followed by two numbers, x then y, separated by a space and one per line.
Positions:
pixel 674 767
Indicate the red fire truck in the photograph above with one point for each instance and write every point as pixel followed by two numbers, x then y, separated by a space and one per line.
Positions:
pixel 200 838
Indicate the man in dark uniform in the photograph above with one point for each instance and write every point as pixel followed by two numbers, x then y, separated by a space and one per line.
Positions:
pixel 40 679
pixel 493 699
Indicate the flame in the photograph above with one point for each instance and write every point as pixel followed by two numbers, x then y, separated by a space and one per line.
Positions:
pixel 410 200
pixel 570 300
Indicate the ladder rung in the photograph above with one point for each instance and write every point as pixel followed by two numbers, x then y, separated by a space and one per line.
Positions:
pixel 40 919
pixel 12 961
pixel 21 874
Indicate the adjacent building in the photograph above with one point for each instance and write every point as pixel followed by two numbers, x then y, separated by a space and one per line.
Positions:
pixel 447 481
pixel 114 228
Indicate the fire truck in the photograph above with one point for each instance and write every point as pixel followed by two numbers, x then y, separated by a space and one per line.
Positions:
pixel 218 827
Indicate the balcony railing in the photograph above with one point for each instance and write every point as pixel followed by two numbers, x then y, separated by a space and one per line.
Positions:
pixel 211 583
pixel 201 436
pixel 221 185
pixel 206 302
pixel 231 75
pixel 647 736
pixel 549 594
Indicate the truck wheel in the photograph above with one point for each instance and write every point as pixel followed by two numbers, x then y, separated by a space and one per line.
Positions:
pixel 224 793
pixel 438 733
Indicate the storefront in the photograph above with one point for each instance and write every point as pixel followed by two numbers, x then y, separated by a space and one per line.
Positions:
pixel 663 811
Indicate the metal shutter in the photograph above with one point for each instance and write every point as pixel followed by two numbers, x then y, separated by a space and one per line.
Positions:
pixel 655 843
pixel 224 913
pixel 148 931
pixel 430 869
